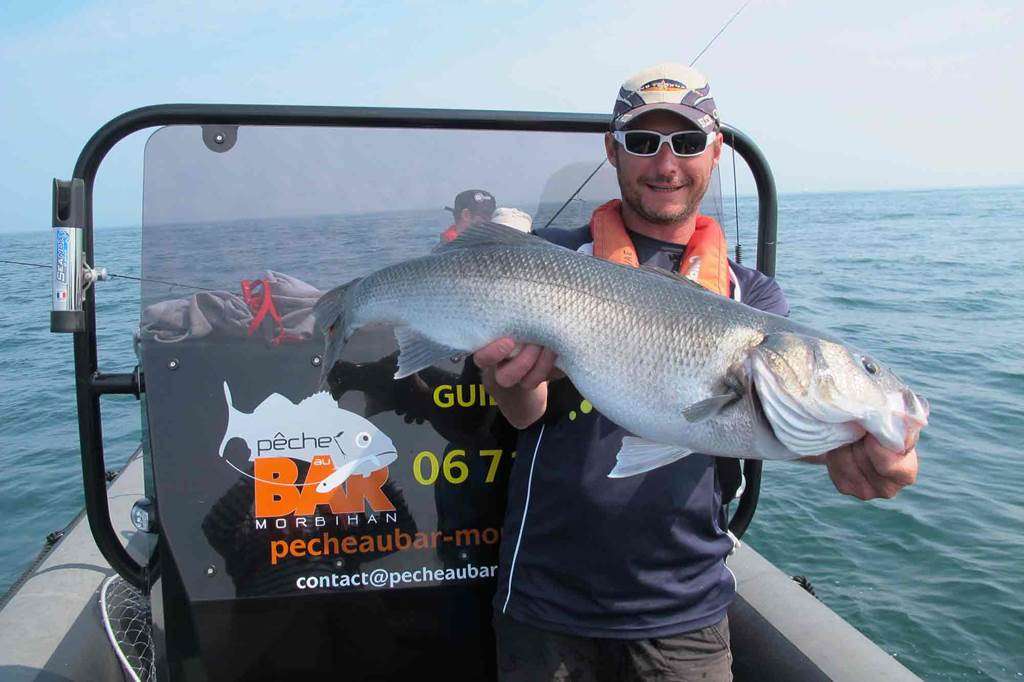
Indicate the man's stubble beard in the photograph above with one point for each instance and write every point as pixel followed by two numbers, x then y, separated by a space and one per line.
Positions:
pixel 631 196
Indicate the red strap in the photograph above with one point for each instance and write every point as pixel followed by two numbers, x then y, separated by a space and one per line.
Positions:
pixel 257 295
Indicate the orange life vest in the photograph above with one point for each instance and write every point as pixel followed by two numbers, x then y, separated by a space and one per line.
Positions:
pixel 705 260
pixel 450 234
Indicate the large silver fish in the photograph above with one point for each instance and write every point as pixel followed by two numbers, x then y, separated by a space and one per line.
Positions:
pixel 682 369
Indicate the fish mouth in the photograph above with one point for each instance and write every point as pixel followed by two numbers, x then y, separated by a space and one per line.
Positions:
pixel 918 408
pixel 908 415
pixel 916 418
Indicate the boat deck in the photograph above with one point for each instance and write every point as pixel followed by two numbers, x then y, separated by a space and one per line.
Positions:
pixel 51 626
pixel 51 629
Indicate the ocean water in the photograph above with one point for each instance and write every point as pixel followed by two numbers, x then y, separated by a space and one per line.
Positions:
pixel 931 282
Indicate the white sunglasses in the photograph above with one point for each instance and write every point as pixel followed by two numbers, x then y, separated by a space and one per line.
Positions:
pixel 648 142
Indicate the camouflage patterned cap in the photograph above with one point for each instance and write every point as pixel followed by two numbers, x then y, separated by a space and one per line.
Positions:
pixel 673 87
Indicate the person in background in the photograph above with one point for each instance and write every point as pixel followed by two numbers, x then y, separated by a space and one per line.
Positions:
pixel 471 207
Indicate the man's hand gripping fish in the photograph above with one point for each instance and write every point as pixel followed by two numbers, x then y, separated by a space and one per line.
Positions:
pixel 682 369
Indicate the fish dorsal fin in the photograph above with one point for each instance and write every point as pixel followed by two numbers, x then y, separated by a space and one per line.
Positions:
pixel 674 276
pixel 490 234
pixel 416 352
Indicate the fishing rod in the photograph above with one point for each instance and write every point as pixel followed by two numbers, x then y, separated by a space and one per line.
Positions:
pixel 578 190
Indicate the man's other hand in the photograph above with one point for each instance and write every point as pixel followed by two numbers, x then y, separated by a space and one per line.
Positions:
pixel 866 470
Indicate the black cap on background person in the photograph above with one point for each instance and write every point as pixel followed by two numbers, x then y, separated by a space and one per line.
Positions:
pixel 479 202
pixel 471 206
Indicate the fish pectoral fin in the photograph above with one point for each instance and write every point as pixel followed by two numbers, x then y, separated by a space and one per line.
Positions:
pixel 709 407
pixel 638 456
pixel 416 352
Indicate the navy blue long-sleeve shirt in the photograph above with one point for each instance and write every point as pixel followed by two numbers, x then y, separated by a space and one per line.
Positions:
pixel 627 558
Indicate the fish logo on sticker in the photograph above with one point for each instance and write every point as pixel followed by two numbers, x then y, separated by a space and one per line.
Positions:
pixel 314 427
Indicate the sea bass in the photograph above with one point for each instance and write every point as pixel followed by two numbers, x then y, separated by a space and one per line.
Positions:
pixel 682 369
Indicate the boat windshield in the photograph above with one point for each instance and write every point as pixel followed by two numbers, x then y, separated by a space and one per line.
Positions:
pixel 328 204
pixel 265 485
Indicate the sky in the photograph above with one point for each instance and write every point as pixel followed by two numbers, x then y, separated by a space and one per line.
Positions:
pixel 839 96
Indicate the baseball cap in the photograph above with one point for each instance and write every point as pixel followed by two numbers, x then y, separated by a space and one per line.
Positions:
pixel 672 87
pixel 478 201
pixel 514 218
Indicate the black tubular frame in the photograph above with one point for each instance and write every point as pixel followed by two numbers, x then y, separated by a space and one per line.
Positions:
pixel 91 384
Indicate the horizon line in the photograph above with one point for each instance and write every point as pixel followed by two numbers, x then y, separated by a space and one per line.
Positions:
pixel 886 190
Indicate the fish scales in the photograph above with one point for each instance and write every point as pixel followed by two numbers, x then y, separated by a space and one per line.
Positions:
pixel 669 361
pixel 616 330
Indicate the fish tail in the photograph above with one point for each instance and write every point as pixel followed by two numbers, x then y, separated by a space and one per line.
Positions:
pixel 331 312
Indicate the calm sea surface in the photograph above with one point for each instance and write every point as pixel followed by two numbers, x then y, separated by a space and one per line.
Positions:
pixel 931 282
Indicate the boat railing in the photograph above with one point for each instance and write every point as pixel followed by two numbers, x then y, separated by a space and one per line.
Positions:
pixel 73 209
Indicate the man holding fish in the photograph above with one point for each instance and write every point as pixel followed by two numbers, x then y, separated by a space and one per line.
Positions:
pixel 627 575
pixel 631 353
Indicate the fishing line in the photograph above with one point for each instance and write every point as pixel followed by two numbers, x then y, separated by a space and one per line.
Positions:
pixel 736 202
pixel 111 274
pixel 720 31
pixel 158 281
pixel 34 265
pixel 268 481
pixel 578 190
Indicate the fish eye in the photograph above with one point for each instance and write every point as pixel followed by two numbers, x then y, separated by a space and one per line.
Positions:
pixel 869 365
pixel 363 439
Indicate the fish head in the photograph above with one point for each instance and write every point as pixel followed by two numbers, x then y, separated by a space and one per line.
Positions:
pixel 819 394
